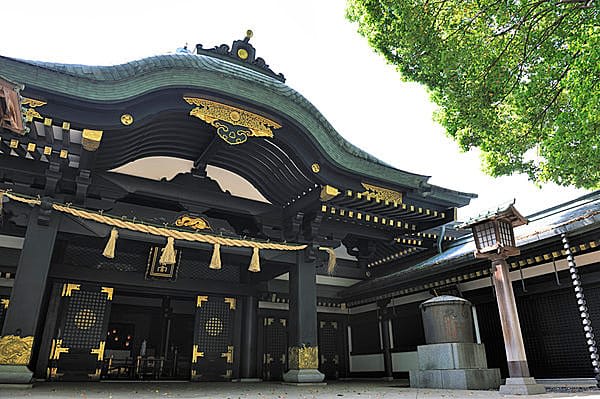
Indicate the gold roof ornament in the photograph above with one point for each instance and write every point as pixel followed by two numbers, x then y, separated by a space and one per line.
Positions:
pixel 234 125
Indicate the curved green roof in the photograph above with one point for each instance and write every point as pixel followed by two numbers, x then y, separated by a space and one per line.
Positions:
pixel 121 82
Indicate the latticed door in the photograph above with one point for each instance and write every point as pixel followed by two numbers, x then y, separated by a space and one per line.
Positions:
pixel 78 346
pixel 275 348
pixel 329 349
pixel 213 351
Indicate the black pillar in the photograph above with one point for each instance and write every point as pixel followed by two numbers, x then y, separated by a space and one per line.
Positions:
pixel 384 318
pixel 27 294
pixel 249 337
pixel 303 352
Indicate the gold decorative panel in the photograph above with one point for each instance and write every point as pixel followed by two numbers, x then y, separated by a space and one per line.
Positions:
pixel 15 350
pixel 234 125
pixel 381 193
pixel 303 357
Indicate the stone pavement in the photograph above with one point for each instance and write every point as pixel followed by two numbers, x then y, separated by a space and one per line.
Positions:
pixel 229 390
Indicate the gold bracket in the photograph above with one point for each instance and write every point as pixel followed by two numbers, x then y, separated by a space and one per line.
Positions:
pixel 69 288
pixel 228 354
pixel 283 322
pixel 196 354
pixel 109 292
pixel 4 302
pixel 99 351
pixel 90 139
pixel 329 192
pixel 57 349
pixel 201 299
pixel 231 302
pixel 268 321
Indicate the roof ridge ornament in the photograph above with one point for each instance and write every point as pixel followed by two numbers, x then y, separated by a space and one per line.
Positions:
pixel 242 52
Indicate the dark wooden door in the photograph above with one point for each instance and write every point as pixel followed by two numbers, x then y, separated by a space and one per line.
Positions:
pixel 77 349
pixel 213 348
pixel 331 341
pixel 275 348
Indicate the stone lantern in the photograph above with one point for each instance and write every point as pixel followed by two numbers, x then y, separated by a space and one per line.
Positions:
pixel 495 240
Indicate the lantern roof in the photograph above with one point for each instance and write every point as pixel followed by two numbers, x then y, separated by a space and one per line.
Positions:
pixel 506 212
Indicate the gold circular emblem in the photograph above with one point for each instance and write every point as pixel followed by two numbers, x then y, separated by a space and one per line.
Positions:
pixel 84 319
pixel 213 326
pixel 242 53
pixel 316 167
pixel 126 119
pixel 235 116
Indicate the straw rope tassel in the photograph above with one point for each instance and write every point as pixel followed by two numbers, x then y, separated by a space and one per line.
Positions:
pixel 109 250
pixel 254 262
pixel 332 262
pixel 167 256
pixel 215 261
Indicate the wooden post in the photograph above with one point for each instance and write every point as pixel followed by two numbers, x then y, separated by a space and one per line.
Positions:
pixel 249 337
pixel 519 381
pixel 21 322
pixel 303 352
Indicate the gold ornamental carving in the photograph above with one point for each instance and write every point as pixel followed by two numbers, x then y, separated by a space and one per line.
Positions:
pixel 234 125
pixel 194 222
pixel 126 119
pixel 15 350
pixel 381 193
pixel 33 103
pixel 303 357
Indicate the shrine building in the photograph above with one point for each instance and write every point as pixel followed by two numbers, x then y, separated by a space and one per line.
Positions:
pixel 189 216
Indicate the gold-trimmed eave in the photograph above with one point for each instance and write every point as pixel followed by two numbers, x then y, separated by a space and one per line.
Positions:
pixel 367 203
pixel 348 215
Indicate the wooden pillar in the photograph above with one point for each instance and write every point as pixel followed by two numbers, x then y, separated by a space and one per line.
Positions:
pixel 384 318
pixel 21 322
pixel 249 338
pixel 520 381
pixel 303 352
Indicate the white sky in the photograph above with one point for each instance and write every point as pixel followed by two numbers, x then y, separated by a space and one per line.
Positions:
pixel 310 42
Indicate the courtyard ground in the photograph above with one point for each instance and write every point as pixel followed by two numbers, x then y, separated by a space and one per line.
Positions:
pixel 180 390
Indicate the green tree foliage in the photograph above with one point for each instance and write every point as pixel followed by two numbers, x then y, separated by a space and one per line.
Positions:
pixel 518 79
